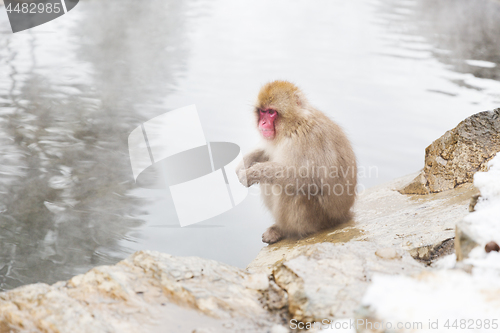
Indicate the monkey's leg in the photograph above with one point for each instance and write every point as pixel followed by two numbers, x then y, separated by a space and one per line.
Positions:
pixel 272 235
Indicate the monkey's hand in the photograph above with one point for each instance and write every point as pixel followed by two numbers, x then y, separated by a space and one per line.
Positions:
pixel 252 175
pixel 243 177
pixel 267 172
pixel 240 168
pixel 247 174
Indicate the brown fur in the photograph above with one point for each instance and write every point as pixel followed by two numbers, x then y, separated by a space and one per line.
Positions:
pixel 305 140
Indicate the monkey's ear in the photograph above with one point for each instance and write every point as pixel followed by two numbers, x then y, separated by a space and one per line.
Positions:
pixel 299 99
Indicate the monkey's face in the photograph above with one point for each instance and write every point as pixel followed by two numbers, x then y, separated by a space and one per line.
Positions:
pixel 267 119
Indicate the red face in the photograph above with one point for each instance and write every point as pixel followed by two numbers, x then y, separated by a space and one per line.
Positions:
pixel 267 117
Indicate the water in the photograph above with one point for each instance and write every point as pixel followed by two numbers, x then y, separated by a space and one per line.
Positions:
pixel 395 74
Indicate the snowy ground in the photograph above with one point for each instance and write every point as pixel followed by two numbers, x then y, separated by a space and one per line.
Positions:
pixel 485 221
pixel 457 296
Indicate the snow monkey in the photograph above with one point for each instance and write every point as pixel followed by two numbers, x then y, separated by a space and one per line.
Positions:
pixel 306 166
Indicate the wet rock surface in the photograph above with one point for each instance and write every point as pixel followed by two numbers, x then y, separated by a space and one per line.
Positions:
pixel 326 275
pixel 328 280
pixel 417 224
pixel 453 159
pixel 150 292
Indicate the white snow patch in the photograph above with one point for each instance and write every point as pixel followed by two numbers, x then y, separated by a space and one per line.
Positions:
pixel 446 262
pixel 441 295
pixel 485 220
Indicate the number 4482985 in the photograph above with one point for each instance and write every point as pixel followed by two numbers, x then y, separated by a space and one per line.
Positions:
pixel 472 324
pixel 33 8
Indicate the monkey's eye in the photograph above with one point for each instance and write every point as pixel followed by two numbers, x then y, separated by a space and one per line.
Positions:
pixel 271 112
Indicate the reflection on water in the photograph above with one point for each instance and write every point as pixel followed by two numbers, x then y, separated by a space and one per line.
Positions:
pixel 72 90
pixel 63 204
pixel 65 172
pixel 462 34
pixel 466 34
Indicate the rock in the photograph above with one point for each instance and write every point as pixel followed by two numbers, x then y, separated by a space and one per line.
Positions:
pixel 417 185
pixel 473 202
pixel 326 274
pixel 388 253
pixel 328 280
pixel 150 292
pixel 389 219
pixel 203 330
pixel 491 246
pixel 465 240
pixel 276 298
pixel 453 159
pixel 257 281
pixel 430 253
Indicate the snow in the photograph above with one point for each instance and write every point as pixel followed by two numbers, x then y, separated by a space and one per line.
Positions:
pixel 485 221
pixel 441 296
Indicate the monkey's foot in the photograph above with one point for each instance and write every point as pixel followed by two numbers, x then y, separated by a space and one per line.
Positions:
pixel 272 235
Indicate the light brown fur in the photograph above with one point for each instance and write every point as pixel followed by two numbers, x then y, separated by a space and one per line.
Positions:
pixel 305 140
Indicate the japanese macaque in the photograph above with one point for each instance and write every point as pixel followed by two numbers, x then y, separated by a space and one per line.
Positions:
pixel 306 166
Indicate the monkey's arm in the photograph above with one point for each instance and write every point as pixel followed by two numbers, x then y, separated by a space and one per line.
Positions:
pixel 276 173
pixel 256 156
